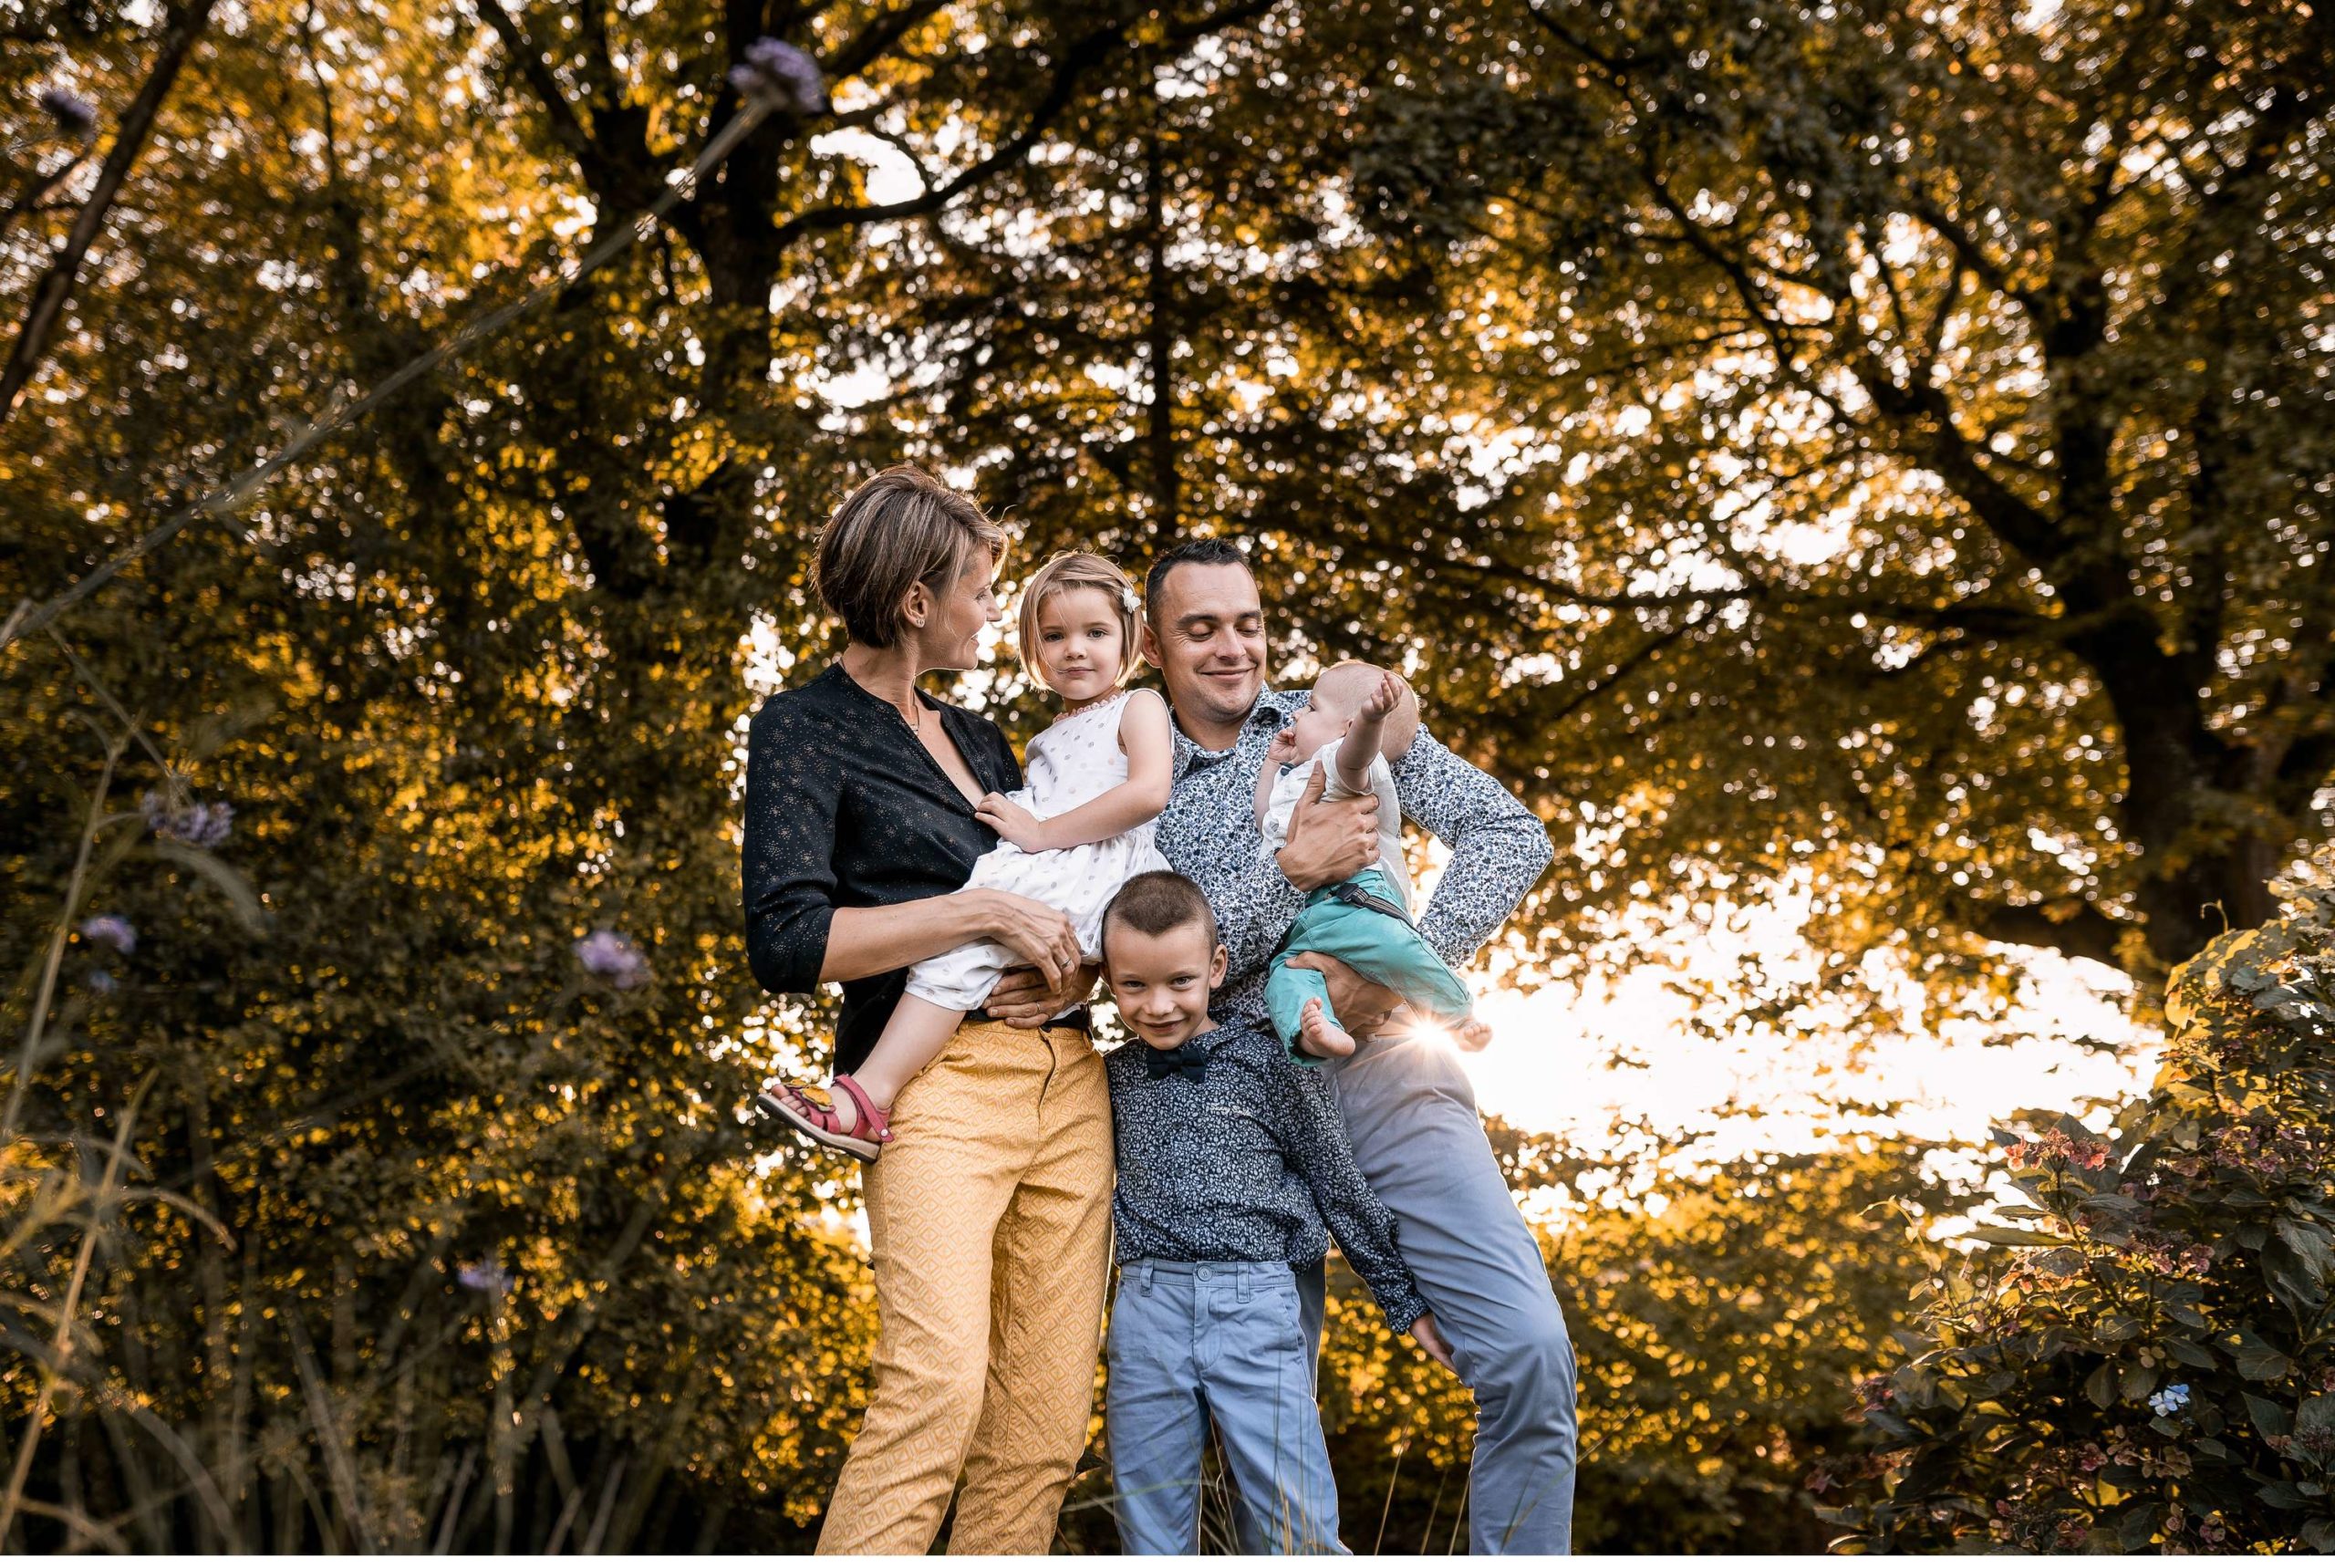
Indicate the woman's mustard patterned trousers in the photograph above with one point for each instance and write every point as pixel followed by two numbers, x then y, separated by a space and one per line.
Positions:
pixel 989 1224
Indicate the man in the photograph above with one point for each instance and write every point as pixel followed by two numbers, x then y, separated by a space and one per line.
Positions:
pixel 1408 1109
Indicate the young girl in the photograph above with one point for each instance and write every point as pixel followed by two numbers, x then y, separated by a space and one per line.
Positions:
pixel 1069 837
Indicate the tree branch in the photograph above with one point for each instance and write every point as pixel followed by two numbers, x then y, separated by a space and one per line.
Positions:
pixel 1082 57
pixel 56 287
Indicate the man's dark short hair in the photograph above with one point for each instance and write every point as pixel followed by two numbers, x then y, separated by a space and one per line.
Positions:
pixel 1191 553
pixel 1157 902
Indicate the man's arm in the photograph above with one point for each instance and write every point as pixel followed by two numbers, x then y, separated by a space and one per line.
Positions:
pixel 1499 848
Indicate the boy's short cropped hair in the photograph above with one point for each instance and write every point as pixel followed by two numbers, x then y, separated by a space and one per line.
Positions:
pixel 1157 902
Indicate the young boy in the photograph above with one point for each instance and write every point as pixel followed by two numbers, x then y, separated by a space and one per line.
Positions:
pixel 1227 1170
pixel 1359 717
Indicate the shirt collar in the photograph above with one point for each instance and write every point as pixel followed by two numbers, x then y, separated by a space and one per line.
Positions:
pixel 1267 714
pixel 1207 1042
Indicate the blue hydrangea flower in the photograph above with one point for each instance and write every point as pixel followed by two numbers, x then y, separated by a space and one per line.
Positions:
pixel 111 931
pixel 2168 1399
pixel 74 115
pixel 614 959
pixel 781 75
pixel 203 824
pixel 487 1277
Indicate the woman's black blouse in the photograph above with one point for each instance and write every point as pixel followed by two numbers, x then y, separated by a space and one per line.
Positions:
pixel 845 809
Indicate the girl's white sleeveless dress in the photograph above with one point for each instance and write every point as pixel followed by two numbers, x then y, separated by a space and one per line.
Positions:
pixel 1070 763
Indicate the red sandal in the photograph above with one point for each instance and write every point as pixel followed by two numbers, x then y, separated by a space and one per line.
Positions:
pixel 816 1119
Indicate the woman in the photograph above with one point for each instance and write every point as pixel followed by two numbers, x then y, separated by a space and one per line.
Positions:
pixel 990 1228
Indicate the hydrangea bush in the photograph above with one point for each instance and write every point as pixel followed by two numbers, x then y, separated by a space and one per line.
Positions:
pixel 2143 1354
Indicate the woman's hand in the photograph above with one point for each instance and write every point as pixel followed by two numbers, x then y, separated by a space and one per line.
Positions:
pixel 1038 933
pixel 1329 840
pixel 1014 823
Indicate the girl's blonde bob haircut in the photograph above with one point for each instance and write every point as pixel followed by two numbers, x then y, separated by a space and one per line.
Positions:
pixel 1079 569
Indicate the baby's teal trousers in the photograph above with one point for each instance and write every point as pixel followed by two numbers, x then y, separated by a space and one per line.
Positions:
pixel 1378 945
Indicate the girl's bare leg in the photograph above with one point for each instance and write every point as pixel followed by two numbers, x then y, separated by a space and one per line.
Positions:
pixel 915 1034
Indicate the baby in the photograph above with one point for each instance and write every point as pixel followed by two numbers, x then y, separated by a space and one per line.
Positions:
pixel 1360 717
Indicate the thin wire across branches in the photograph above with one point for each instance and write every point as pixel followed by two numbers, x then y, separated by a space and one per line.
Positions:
pixel 30 617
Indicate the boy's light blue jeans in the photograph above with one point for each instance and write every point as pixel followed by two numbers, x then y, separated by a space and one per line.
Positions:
pixel 1379 946
pixel 1195 1341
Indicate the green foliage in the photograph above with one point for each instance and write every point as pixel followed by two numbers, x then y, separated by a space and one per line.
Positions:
pixel 2138 1354
pixel 1785 438
pixel 1920 430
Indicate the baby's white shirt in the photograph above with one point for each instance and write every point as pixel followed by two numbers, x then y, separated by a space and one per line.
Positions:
pixel 1282 805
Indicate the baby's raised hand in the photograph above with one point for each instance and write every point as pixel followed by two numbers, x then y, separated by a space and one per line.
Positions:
pixel 1383 697
pixel 1281 750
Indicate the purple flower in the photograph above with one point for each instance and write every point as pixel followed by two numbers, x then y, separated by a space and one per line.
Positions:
pixel 487 1277
pixel 614 959
pixel 74 115
pixel 111 930
pixel 203 824
pixel 782 76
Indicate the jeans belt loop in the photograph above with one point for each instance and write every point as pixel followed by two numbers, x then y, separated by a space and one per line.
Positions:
pixel 1243 1278
pixel 1146 1276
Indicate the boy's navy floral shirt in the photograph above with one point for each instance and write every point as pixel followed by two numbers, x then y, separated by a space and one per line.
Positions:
pixel 1244 1163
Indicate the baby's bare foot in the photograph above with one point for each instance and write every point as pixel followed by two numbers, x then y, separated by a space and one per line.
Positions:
pixel 1322 1037
pixel 1472 1035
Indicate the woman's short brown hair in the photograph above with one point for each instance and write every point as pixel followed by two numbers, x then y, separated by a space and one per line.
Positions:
pixel 898 529
pixel 1079 569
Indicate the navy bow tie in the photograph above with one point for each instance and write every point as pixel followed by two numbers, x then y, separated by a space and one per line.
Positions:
pixel 1189 1059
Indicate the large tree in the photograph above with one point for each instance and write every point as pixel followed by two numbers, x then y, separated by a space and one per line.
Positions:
pixel 490 1265
pixel 1926 420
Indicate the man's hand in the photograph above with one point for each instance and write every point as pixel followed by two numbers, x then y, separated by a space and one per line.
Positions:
pixel 1329 840
pixel 1362 1006
pixel 1430 1340
pixel 1022 999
